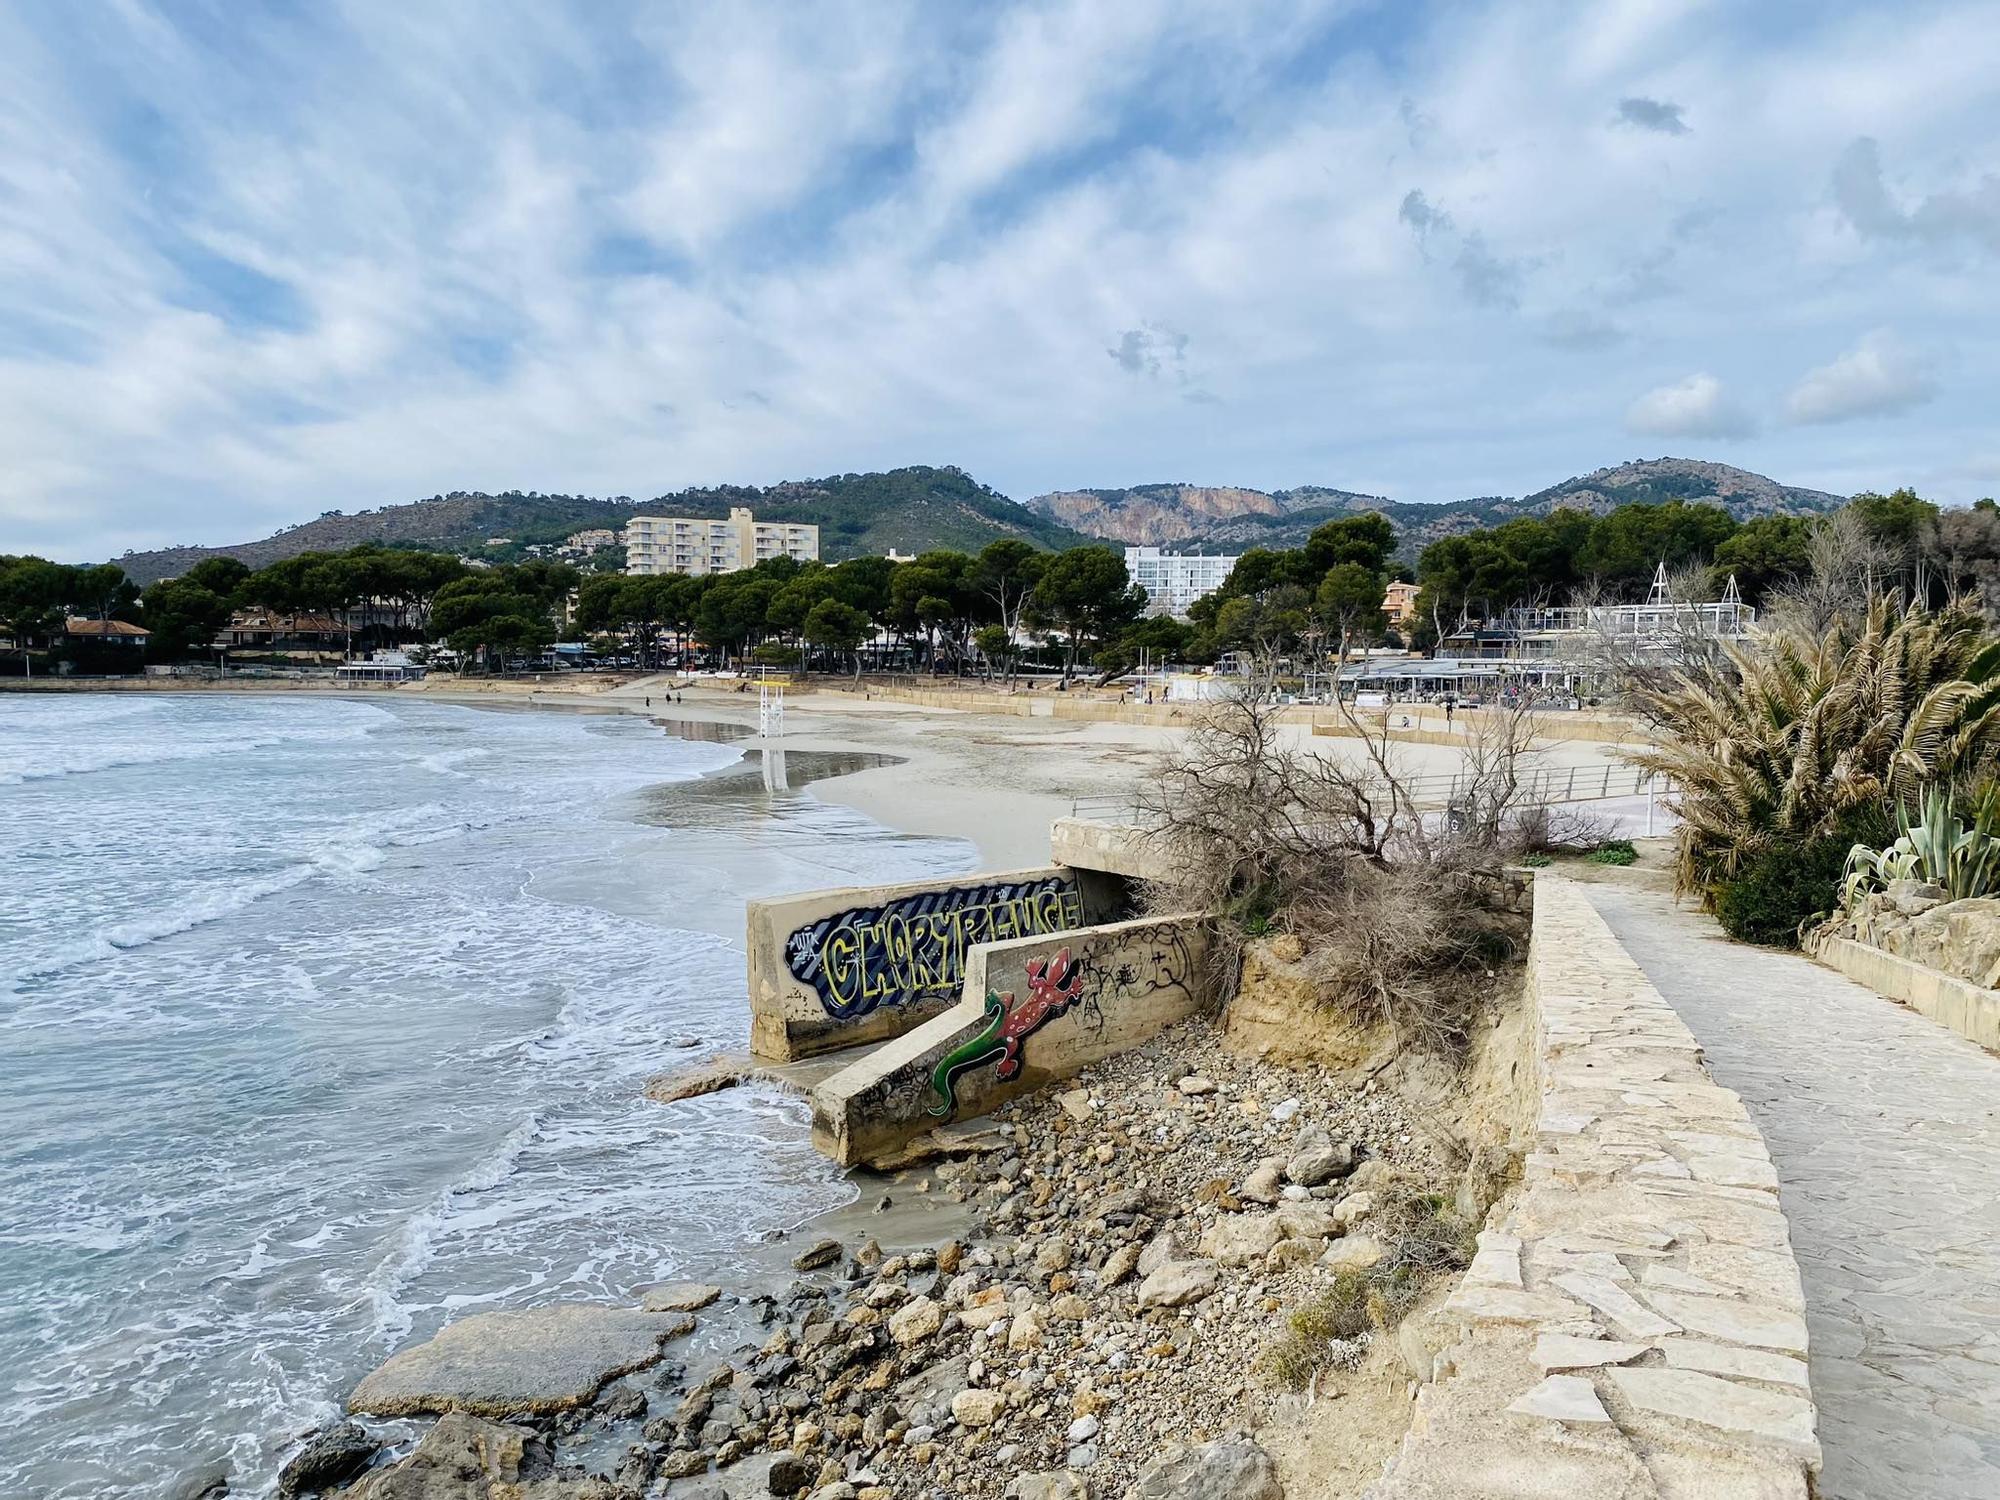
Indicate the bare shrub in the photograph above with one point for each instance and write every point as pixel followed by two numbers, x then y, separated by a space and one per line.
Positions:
pixel 1558 828
pixel 1847 566
pixel 1409 944
pixel 1401 908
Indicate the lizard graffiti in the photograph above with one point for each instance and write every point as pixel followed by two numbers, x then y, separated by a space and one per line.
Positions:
pixel 1053 987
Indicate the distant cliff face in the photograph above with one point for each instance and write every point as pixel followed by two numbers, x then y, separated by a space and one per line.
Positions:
pixel 1227 516
pixel 1150 514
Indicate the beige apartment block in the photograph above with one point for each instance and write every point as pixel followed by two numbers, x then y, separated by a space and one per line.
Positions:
pixel 683 544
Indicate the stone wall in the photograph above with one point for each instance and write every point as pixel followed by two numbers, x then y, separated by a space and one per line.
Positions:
pixel 1914 944
pixel 1034 1010
pixel 839 968
pixel 1633 1324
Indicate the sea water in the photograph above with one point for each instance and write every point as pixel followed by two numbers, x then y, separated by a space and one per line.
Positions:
pixel 324 1021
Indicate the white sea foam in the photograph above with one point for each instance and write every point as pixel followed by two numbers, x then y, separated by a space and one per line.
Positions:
pixel 312 1046
pixel 416 1243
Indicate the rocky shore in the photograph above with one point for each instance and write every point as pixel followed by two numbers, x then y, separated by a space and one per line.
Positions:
pixel 1119 1317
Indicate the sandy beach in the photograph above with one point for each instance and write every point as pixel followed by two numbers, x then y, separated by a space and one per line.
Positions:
pixel 996 779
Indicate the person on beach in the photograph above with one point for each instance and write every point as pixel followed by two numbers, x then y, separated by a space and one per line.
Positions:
pixel 1449 705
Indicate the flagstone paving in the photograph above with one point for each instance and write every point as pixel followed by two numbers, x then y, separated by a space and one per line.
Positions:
pixel 1885 1131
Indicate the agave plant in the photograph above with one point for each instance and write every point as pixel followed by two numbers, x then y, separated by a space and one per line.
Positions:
pixel 1795 734
pixel 1939 850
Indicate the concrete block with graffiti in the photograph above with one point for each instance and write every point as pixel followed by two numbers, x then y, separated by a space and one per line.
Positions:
pixel 1034 1010
pixel 838 968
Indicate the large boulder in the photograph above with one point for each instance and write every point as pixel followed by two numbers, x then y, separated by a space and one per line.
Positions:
pixel 1058 1485
pixel 462 1458
pixel 1961 938
pixel 1242 1239
pixel 1230 1468
pixel 1912 898
pixel 329 1458
pixel 519 1363
pixel 915 1321
pixel 1179 1282
pixel 1318 1159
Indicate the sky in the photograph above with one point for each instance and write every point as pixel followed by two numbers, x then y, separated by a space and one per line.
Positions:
pixel 261 259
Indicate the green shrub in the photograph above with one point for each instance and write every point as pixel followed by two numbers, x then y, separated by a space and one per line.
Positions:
pixel 1789 886
pixel 1425 1236
pixel 1613 852
pixel 1538 860
pixel 1937 848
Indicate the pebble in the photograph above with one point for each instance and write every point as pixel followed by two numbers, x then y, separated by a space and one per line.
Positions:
pixel 1073 1328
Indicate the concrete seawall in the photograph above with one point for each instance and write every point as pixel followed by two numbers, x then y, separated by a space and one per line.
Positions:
pixel 1633 1325
pixel 840 968
pixel 1034 1010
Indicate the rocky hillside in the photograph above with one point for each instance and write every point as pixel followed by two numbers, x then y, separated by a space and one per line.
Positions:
pixel 1158 514
pixel 858 515
pixel 1152 514
pixel 1743 494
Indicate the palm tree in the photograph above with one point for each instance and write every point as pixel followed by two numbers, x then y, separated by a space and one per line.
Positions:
pixel 1793 733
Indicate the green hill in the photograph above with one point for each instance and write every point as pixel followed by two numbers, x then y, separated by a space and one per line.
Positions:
pixel 911 510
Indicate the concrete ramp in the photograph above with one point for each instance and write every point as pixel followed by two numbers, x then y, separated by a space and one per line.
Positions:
pixel 1033 1010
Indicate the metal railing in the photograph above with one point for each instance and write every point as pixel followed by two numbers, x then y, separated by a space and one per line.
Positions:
pixel 1548 786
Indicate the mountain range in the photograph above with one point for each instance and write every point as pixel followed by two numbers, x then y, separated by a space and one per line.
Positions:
pixel 1184 515
pixel 916 508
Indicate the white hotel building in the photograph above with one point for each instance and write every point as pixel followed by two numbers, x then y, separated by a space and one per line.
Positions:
pixel 681 544
pixel 1174 580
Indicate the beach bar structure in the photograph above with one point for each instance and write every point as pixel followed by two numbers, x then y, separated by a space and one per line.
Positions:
pixel 384 666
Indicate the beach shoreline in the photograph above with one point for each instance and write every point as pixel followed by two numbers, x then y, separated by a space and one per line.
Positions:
pixel 995 780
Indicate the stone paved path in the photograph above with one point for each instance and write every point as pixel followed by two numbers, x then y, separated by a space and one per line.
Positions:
pixel 1885 1129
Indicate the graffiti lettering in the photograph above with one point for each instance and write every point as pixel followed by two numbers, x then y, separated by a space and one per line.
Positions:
pixel 914 948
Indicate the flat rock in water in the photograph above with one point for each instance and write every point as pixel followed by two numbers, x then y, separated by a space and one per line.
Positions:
pixel 825 1253
pixel 679 1296
pixel 531 1362
pixel 969 1138
pixel 209 1482
pixel 704 1078
pixel 464 1456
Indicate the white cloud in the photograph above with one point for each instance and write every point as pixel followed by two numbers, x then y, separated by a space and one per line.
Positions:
pixel 563 249
pixel 1971 213
pixel 1693 408
pixel 1878 376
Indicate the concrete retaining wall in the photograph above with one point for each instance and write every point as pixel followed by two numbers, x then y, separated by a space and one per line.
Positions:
pixel 1113 848
pixel 1634 1326
pixel 1034 1010
pixel 838 968
pixel 1965 1007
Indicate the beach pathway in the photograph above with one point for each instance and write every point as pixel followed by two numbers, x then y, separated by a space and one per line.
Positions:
pixel 1885 1129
